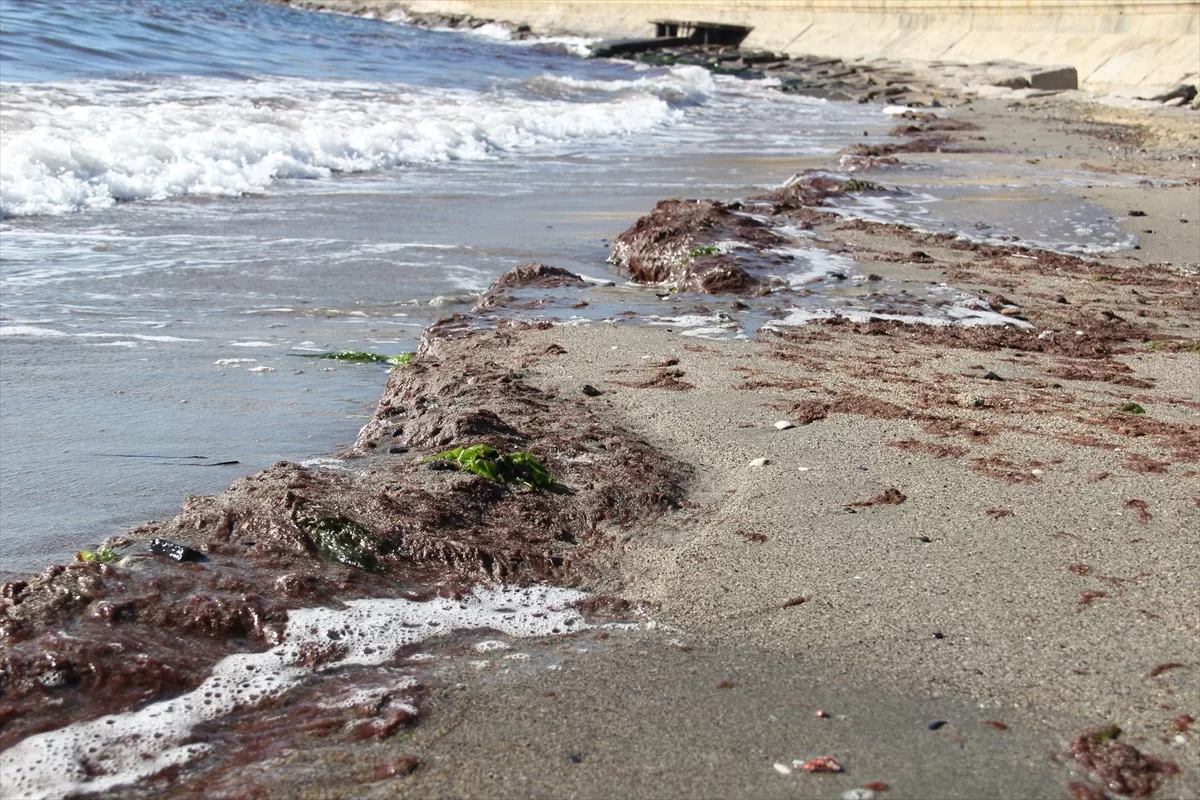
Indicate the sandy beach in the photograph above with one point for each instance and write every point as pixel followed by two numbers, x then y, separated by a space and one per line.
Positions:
pixel 947 557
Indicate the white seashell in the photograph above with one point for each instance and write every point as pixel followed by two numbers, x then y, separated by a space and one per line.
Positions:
pixel 759 462
pixel 804 469
pixel 782 769
pixel 783 425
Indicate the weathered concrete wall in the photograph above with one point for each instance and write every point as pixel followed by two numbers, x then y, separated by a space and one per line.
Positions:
pixel 1141 45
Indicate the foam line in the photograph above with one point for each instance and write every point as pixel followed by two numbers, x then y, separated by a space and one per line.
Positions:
pixel 126 747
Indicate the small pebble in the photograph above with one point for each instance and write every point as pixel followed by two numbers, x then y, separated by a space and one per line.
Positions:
pixel 759 462
pixel 782 769
pixel 939 635
pixel 822 714
pixel 967 400
pixel 933 726
pixel 591 391
pixel 859 794
pixel 783 425
pixel 804 469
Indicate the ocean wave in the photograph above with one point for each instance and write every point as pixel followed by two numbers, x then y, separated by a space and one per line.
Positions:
pixel 681 86
pixel 90 144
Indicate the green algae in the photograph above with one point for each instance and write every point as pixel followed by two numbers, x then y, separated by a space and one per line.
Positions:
pixel 1132 408
pixel 361 357
pixel 101 555
pixel 486 462
pixel 343 540
pixel 858 185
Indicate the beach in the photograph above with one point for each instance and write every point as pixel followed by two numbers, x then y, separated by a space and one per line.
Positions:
pixel 877 466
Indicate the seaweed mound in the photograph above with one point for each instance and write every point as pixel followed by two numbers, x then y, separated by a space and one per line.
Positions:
pixel 686 243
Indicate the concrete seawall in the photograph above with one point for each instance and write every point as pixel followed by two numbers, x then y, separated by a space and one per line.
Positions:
pixel 1128 47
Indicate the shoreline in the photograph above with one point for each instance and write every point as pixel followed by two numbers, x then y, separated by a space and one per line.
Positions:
pixel 666 516
pixel 1137 48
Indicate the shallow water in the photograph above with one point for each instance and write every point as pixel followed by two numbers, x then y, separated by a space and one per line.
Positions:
pixel 188 183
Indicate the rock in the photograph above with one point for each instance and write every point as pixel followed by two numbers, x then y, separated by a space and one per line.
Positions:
pixel 783 425
pixel 1186 93
pixel 174 551
pixel 1175 102
pixel 968 400
pixel 591 391
pixel 991 376
pixel 1133 212
pixel 1016 82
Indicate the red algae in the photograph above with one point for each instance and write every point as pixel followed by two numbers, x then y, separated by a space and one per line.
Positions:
pixel 1161 668
pixel 888 497
pixel 1120 767
pixel 1141 507
pixel 91 639
pixel 930 448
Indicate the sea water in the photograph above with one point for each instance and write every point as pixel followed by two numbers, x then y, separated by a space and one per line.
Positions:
pixel 194 194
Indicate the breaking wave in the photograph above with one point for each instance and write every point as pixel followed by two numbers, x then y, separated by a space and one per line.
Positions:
pixel 89 144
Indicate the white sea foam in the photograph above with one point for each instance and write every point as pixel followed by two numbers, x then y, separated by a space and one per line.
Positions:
pixel 119 749
pixel 965 313
pixel 89 144
pixel 29 330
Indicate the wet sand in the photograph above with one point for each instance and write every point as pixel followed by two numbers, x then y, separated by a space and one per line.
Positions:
pixel 961 528
pixel 1039 570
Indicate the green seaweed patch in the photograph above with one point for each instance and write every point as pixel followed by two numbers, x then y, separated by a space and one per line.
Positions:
pixel 101 555
pixel 700 252
pixel 486 462
pixel 361 357
pixel 1107 733
pixel 1132 408
pixel 343 540
pixel 859 185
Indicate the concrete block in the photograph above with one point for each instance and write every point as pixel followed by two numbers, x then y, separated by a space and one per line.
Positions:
pixel 1055 79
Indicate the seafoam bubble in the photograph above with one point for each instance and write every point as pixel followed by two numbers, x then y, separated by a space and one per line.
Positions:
pixel 119 749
